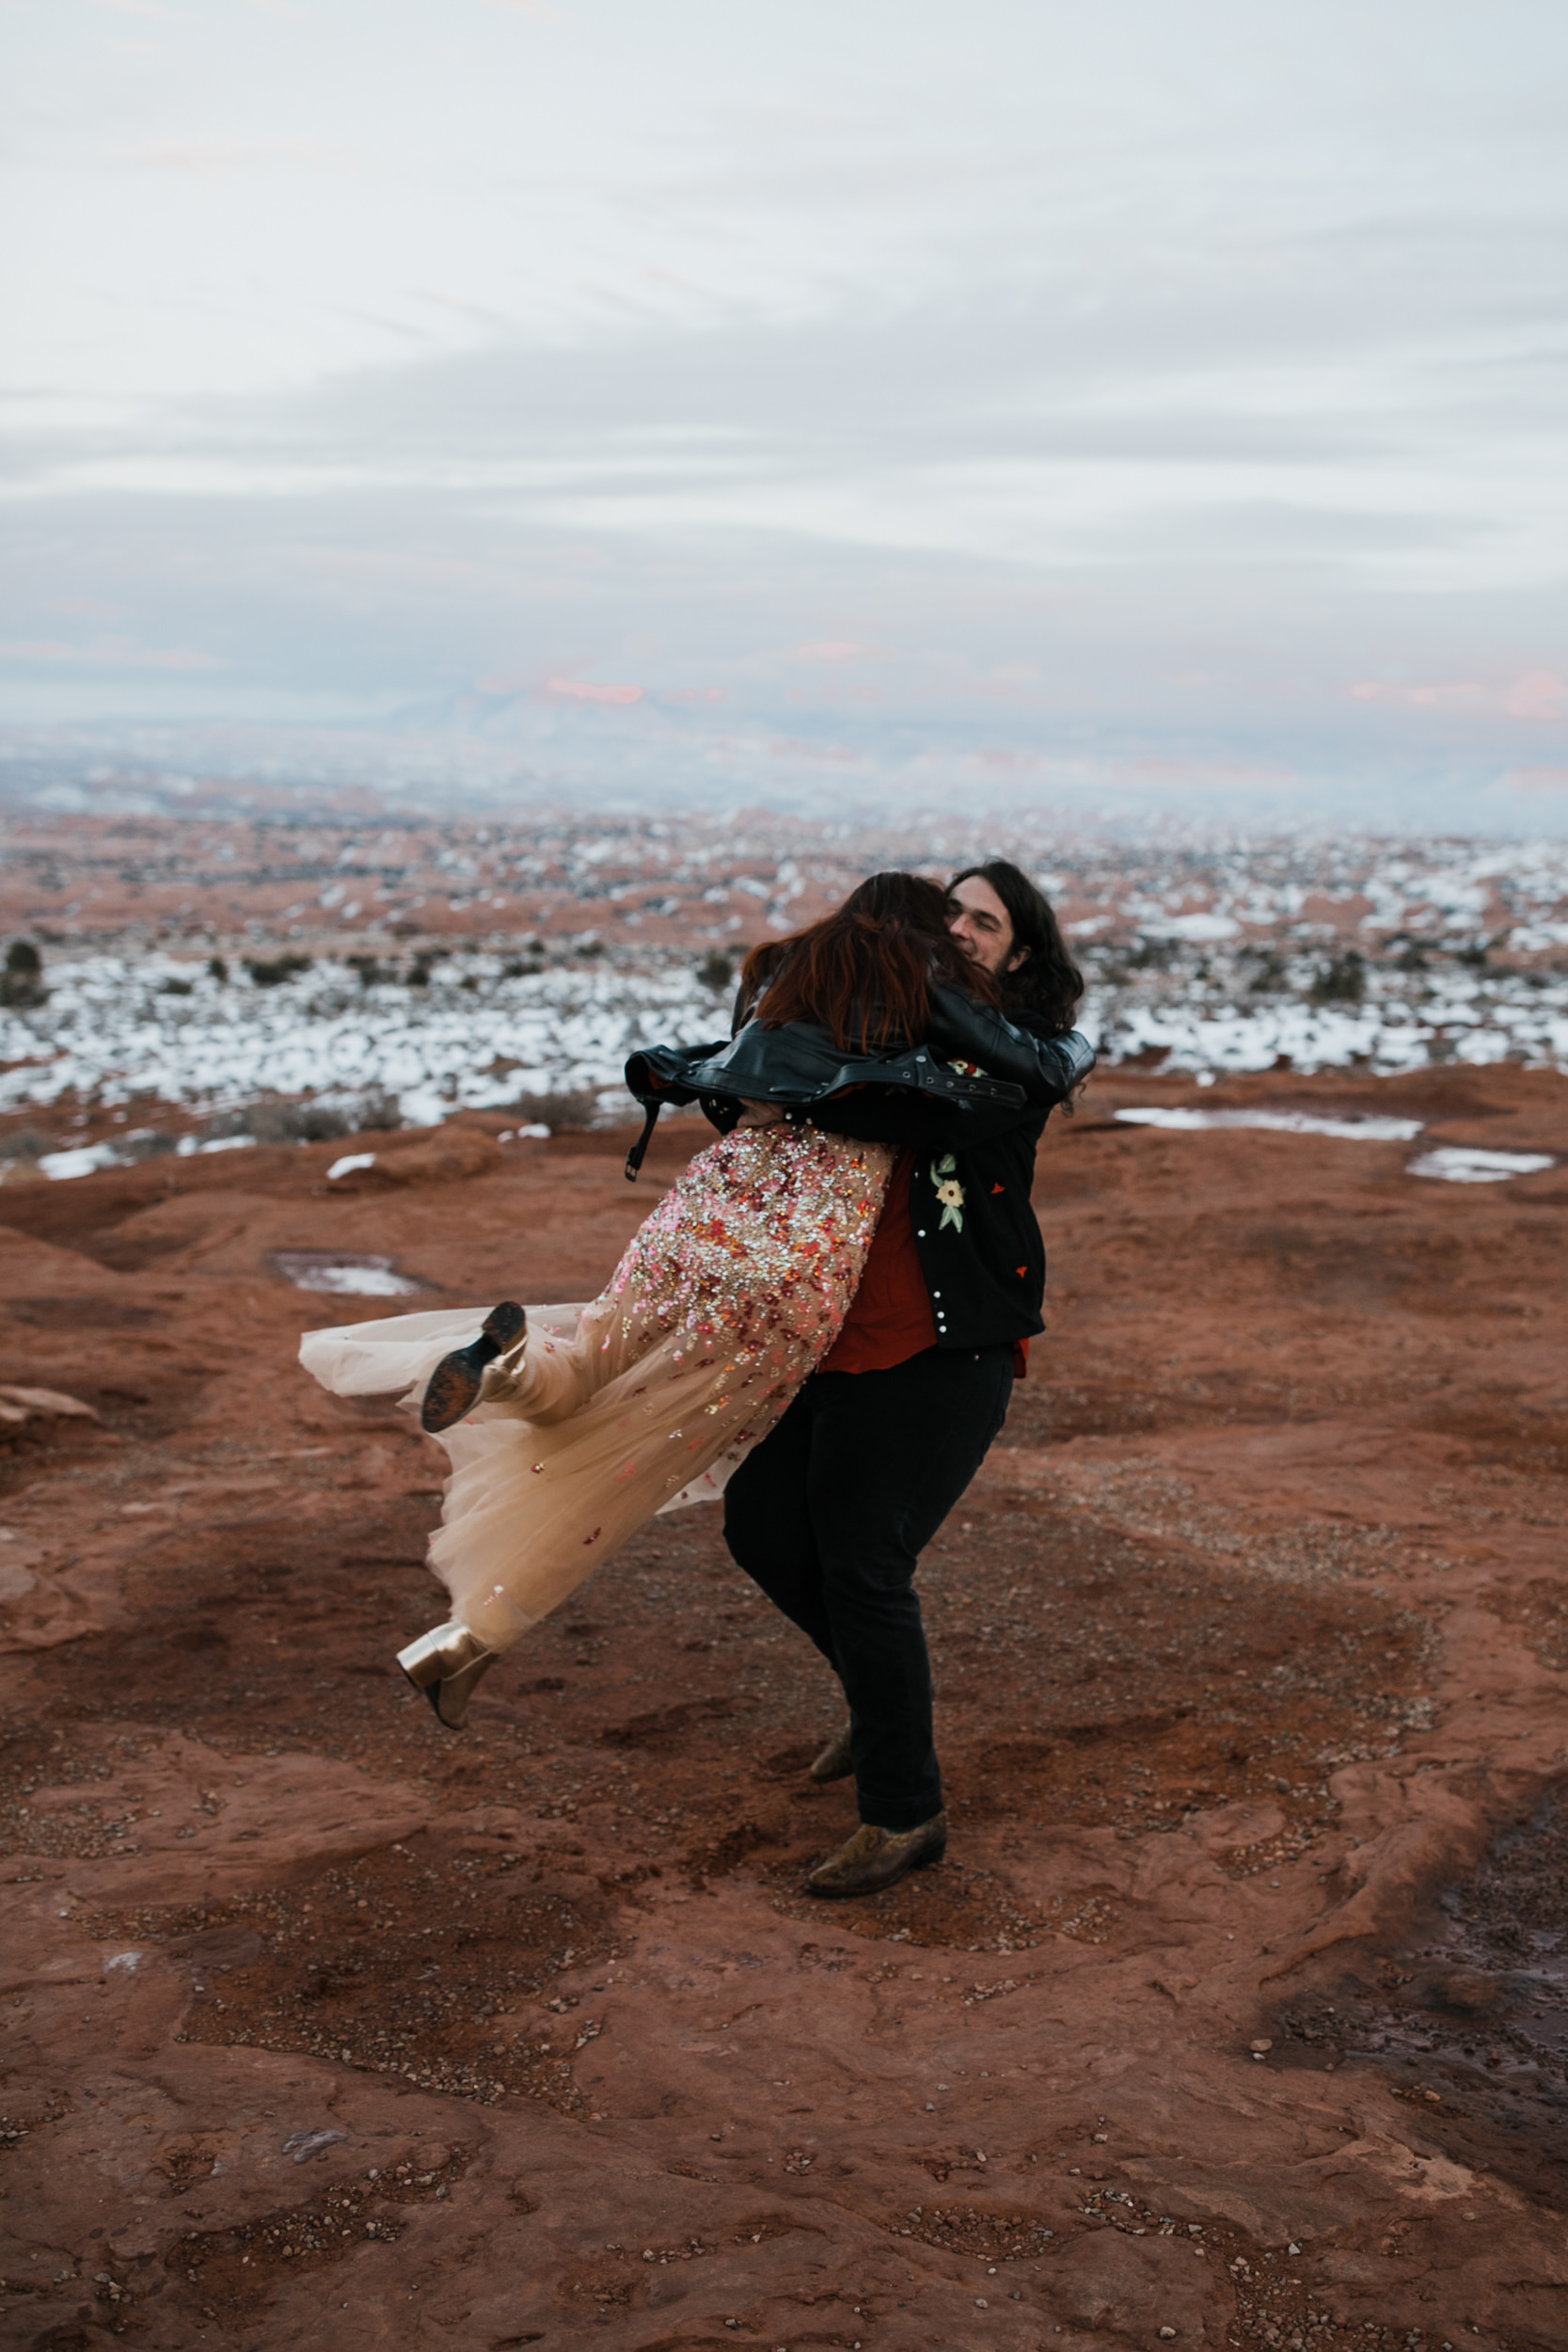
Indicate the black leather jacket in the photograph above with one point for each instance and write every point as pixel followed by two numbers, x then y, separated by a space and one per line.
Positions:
pixel 800 1065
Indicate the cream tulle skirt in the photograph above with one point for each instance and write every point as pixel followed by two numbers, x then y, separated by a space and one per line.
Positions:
pixel 727 1297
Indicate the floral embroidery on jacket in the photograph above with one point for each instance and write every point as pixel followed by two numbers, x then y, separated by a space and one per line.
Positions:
pixel 943 1173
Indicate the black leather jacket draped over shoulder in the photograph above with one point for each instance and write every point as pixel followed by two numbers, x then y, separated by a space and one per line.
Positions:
pixel 800 1065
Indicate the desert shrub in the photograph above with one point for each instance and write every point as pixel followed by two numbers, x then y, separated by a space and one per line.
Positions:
pixel 417 974
pixel 307 1122
pixel 716 971
pixel 272 971
pixel 1342 980
pixel 1270 970
pixel 22 982
pixel 218 970
pixel 146 1143
pixel 567 1107
pixel 25 1143
pixel 302 1123
pixel 369 969
pixel 178 987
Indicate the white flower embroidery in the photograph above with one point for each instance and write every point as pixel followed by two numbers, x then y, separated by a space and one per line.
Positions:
pixel 949 1192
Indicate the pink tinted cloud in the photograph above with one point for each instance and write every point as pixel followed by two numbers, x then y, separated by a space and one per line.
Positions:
pixel 1534 780
pixel 1538 694
pixel 110 653
pixel 1534 695
pixel 584 691
pixel 1453 698
pixel 833 649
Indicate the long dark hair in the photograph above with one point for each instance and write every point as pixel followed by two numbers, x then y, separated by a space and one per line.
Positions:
pixel 865 973
pixel 1047 982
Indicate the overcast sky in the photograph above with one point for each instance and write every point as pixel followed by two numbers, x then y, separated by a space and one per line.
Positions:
pixel 1165 398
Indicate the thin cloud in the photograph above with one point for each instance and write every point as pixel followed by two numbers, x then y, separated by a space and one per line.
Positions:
pixel 116 653
pixel 231 155
pixel 586 690
pixel 1121 408
pixel 1534 695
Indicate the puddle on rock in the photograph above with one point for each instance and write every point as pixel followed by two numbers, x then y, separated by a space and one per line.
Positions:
pixel 344 1272
pixel 1467 2019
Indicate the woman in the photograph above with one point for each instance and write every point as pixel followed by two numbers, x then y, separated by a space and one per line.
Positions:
pixel 568 1427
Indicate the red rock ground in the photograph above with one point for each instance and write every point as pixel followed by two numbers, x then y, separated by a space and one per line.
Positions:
pixel 1236 2015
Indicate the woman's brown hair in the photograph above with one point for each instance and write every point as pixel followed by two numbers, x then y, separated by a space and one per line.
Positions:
pixel 865 973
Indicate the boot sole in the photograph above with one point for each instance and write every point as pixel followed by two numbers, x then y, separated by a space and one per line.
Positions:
pixel 456 1383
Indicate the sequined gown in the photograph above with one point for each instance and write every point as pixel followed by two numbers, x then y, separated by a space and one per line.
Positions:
pixel 727 1297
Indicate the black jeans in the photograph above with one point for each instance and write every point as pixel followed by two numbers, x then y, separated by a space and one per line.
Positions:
pixel 829 1515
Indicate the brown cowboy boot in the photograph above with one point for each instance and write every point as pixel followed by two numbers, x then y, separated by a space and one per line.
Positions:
pixel 876 1858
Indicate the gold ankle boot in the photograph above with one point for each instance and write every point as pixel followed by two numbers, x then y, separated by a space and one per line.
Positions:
pixel 448 1666
pixel 508 1376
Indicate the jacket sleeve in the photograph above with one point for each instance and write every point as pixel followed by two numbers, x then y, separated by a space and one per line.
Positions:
pixel 1047 1068
pixel 925 1123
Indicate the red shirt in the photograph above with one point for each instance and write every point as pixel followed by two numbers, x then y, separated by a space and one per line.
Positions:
pixel 890 1317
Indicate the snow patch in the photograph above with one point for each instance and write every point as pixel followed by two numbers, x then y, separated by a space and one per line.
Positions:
pixel 1453 1164
pixel 1353 1127
pixel 345 1274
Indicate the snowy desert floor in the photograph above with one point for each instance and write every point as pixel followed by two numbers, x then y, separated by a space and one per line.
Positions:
pixel 204 965
pixel 1238 2013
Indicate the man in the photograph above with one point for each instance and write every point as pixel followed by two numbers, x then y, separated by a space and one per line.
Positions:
pixel 831 1513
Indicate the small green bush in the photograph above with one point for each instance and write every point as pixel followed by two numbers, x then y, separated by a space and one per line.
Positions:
pixel 22 982
pixel 270 972
pixel 1341 981
pixel 570 1108
pixel 1270 973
